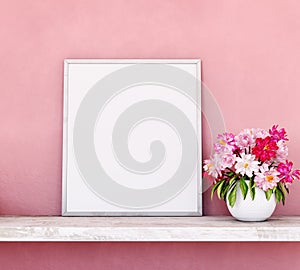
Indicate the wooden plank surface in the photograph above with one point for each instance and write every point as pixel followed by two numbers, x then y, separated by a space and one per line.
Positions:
pixel 154 229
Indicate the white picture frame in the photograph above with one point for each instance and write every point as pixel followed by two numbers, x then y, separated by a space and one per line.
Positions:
pixel 149 85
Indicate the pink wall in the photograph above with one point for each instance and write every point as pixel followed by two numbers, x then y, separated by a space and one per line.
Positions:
pixel 149 256
pixel 250 52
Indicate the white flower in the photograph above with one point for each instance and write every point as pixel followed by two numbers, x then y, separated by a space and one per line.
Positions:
pixel 246 164
pixel 213 166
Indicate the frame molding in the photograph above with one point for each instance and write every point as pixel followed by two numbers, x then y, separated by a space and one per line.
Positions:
pixel 67 62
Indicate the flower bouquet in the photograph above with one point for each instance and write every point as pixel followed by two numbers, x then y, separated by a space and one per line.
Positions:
pixel 252 161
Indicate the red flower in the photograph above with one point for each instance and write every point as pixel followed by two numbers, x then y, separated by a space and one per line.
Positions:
pixel 265 149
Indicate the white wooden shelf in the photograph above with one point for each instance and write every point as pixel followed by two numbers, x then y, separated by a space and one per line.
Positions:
pixel 154 229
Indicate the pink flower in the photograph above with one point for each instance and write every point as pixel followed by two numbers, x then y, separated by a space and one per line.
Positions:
pixel 227 160
pixel 282 152
pixel 226 143
pixel 265 149
pixel 287 175
pixel 248 136
pixel 244 140
pixel 277 135
pixel 266 178
pixel 218 163
pixel 296 174
pixel 259 133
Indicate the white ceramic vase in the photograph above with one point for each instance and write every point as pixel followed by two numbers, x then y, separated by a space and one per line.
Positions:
pixel 258 209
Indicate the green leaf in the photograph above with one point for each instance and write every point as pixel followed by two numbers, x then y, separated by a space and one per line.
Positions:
pixel 282 188
pixel 252 188
pixel 243 187
pixel 278 195
pixel 231 181
pixel 283 199
pixel 269 193
pixel 232 196
pixel 252 183
pixel 230 174
pixel 219 189
pixel 224 191
pixel 226 187
pixel 284 192
pixel 252 193
pixel 214 188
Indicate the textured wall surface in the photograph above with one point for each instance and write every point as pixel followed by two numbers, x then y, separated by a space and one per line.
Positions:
pixel 250 52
